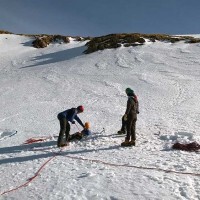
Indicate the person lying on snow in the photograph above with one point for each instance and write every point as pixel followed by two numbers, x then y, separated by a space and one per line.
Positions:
pixel 64 118
pixel 84 133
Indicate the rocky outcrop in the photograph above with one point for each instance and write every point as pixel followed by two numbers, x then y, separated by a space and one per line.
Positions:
pixel 44 41
pixel 110 41
pixel 4 32
pixel 134 39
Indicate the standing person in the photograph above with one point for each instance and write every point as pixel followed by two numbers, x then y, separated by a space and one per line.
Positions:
pixel 130 118
pixel 65 117
pixel 123 127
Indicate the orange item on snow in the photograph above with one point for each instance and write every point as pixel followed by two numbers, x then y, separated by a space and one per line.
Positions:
pixel 87 125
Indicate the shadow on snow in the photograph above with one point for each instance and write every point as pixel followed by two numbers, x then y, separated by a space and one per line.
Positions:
pixel 44 146
pixel 57 56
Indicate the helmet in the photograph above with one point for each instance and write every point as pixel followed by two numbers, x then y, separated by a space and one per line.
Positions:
pixel 80 108
pixel 129 91
pixel 87 125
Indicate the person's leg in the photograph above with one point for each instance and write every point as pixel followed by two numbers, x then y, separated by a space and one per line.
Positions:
pixel 123 128
pixel 133 134
pixel 128 128
pixel 67 131
pixel 63 122
pixel 128 134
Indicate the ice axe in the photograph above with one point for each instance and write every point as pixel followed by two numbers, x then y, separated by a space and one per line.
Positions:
pixel 78 128
pixel 102 131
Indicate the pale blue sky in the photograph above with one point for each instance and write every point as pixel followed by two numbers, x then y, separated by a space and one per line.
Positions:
pixel 100 17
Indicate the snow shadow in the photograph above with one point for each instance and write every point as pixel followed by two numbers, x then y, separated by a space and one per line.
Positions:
pixel 26 147
pixel 90 150
pixel 45 154
pixel 56 57
pixel 26 158
pixel 28 43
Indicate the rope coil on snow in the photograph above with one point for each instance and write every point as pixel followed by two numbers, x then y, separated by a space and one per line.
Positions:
pixel 40 139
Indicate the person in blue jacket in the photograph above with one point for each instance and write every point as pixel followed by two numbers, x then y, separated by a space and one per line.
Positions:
pixel 65 117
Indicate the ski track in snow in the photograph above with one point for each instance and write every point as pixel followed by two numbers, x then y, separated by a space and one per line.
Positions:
pixel 33 90
pixel 4 134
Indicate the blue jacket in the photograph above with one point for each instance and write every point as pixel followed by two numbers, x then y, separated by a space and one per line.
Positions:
pixel 86 132
pixel 70 115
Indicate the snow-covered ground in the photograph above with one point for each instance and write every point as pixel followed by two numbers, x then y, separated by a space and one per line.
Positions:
pixel 36 84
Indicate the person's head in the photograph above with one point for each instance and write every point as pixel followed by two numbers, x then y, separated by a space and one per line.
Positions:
pixel 80 109
pixel 129 92
pixel 87 125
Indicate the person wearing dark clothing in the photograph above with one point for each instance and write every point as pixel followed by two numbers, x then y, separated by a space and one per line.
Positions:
pixel 64 118
pixel 130 118
pixel 84 133
pixel 123 129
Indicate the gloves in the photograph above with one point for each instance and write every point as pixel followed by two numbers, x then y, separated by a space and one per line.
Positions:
pixel 125 117
pixel 73 122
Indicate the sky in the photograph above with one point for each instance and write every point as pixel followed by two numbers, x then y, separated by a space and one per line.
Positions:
pixel 96 18
pixel 37 84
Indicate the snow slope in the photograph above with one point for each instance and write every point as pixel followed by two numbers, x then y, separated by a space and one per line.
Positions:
pixel 36 84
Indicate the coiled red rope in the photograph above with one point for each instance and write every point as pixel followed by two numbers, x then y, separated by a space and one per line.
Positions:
pixel 40 139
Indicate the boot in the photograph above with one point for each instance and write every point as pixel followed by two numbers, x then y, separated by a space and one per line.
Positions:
pixel 126 143
pixel 121 132
pixel 132 143
pixel 64 144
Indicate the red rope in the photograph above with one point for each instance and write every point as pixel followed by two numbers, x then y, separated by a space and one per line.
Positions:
pixel 33 140
pixel 29 141
pixel 96 161
pixel 32 178
pixel 134 166
pixel 125 165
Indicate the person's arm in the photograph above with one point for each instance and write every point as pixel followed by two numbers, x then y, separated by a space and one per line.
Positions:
pixel 128 107
pixel 137 107
pixel 79 121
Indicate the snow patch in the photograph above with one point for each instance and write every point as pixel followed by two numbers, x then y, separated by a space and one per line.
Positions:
pixel 178 137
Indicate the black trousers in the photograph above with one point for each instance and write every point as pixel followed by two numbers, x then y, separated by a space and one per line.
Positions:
pixel 64 130
pixel 123 128
pixel 130 125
